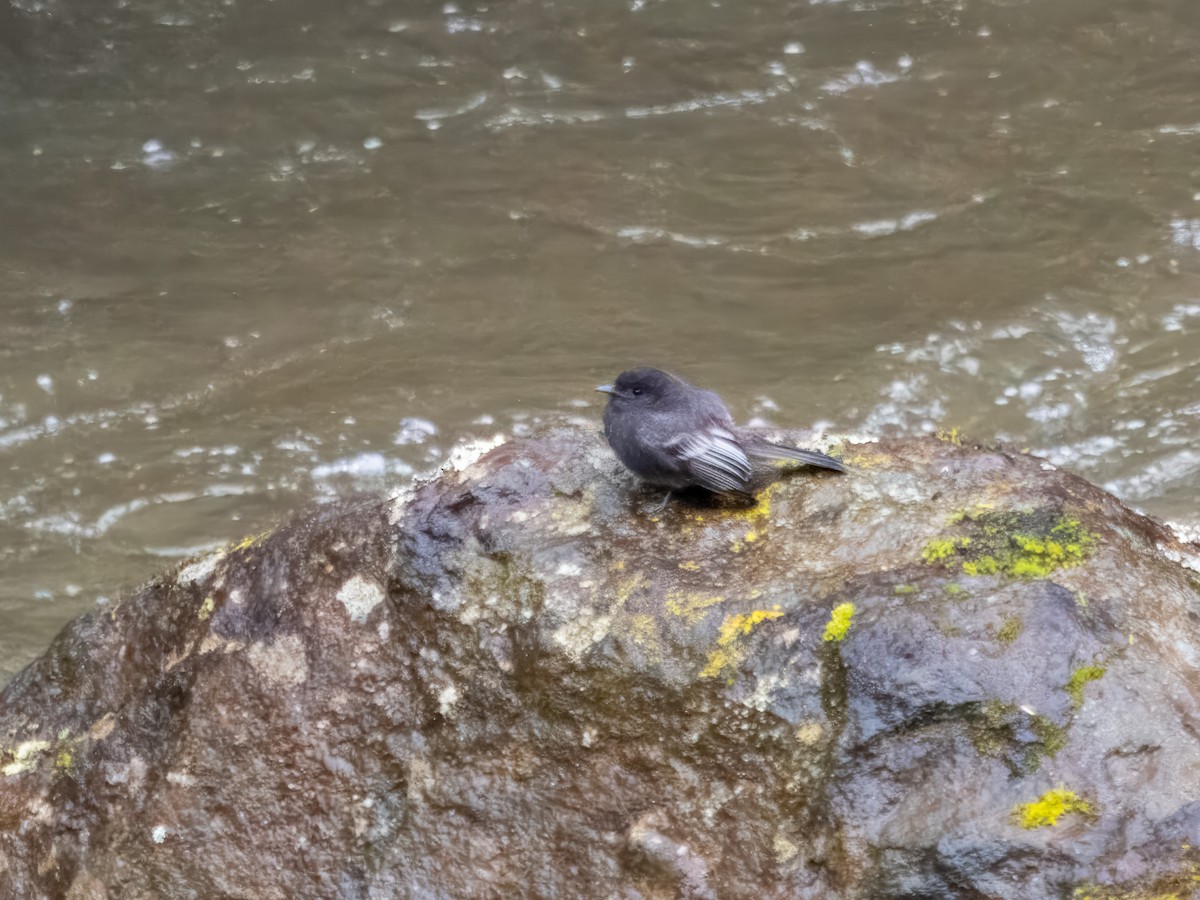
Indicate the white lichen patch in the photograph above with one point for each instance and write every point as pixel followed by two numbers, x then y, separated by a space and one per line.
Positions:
pixel 183 779
pixel 461 457
pixel 446 601
pixel 1187 533
pixel 579 635
pixel 469 615
pixel 825 442
pixel 39 811
pixel 102 727
pixel 25 756
pixel 337 765
pixel 420 780
pixel 865 490
pixel 466 454
pixel 904 488
pixel 763 689
pixel 200 570
pixel 360 596
pixel 282 663
pixel 175 657
pixel 573 519
pixel 1187 560
pixel 580 526
pixel 48 863
pixel 158 834
pixel 213 642
pixel 785 850
pixel 399 502
pixel 1187 652
pixel 447 697
pixel 809 733
pixel 132 774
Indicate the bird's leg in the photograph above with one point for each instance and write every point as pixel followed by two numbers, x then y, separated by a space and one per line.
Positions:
pixel 666 500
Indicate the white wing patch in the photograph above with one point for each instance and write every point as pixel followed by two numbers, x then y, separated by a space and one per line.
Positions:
pixel 715 457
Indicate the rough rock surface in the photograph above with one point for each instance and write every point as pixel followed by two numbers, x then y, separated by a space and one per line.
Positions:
pixel 953 672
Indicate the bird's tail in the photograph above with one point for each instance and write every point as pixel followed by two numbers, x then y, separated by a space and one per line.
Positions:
pixel 764 449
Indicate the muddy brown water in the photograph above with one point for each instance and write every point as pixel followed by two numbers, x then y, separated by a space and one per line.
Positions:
pixel 260 255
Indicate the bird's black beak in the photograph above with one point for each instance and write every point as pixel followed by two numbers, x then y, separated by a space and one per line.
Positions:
pixel 606 389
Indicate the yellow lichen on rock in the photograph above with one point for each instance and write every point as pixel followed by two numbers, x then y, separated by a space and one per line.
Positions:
pixel 735 626
pixel 728 653
pixel 862 458
pixel 760 511
pixel 755 516
pixel 839 622
pixel 943 548
pixel 1050 807
pixel 627 588
pixel 643 630
pixel 691 607
pixel 250 540
pixel 950 436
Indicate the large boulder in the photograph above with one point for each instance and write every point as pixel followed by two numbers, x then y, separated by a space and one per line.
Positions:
pixel 952 672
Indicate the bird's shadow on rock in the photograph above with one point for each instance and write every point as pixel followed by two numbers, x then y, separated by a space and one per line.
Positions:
pixel 700 498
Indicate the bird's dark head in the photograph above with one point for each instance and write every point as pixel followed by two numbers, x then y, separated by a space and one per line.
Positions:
pixel 642 387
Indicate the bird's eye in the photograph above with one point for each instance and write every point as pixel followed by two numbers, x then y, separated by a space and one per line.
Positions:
pixel 637 392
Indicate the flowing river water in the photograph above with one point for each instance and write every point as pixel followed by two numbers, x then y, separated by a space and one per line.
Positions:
pixel 258 255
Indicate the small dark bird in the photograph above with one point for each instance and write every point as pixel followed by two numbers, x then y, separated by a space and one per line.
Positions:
pixel 677 436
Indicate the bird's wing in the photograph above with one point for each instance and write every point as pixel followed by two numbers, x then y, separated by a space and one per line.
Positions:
pixel 712 409
pixel 714 457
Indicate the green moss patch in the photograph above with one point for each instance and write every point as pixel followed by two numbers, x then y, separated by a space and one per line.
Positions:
pixel 1010 629
pixel 1079 678
pixel 1176 885
pixel 1003 731
pixel 1017 544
